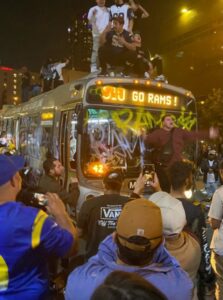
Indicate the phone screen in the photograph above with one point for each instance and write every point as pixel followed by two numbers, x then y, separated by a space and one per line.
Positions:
pixel 148 171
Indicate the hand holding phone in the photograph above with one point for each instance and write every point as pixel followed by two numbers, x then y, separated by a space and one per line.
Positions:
pixel 149 172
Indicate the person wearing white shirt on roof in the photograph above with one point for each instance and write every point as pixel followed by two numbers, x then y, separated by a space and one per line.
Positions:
pixel 121 9
pixel 98 17
pixel 57 70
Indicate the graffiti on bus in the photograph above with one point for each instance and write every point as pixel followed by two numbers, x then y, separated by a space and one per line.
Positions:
pixel 115 135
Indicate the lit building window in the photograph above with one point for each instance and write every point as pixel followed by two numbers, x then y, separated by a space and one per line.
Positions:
pixel 15 80
pixel 14 92
pixel 15 87
pixel 5 84
pixel 15 98
pixel 15 75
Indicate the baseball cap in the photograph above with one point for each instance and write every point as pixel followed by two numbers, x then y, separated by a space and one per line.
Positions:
pixel 173 213
pixel 115 175
pixel 213 152
pixel 9 165
pixel 140 218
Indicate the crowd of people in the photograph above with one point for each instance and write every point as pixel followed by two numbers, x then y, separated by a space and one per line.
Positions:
pixel 51 76
pixel 117 41
pixel 137 247
pixel 117 47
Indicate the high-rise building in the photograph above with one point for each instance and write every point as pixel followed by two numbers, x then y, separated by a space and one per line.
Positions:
pixel 10 85
pixel 80 39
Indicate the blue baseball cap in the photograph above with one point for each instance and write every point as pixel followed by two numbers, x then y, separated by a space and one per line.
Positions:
pixel 9 165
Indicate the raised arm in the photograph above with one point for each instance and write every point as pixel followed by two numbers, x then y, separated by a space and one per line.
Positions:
pixel 145 13
pixel 212 133
pixel 104 34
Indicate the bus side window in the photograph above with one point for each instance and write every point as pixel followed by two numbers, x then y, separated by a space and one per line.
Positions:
pixel 23 135
pixel 73 140
pixel 45 143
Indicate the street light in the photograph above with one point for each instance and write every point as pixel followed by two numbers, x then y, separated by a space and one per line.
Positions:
pixel 185 10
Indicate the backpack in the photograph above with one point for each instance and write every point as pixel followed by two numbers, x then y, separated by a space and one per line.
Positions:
pixel 47 72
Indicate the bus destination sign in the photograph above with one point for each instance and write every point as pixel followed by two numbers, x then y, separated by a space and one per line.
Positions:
pixel 120 95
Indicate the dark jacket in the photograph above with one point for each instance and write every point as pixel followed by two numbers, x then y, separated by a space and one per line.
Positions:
pixel 159 137
pixel 205 167
pixel 49 184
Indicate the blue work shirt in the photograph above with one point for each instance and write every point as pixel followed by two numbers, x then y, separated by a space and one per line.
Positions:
pixel 27 237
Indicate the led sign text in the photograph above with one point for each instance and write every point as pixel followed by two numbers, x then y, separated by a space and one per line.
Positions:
pixel 111 94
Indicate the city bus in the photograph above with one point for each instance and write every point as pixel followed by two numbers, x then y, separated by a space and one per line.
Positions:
pixel 93 125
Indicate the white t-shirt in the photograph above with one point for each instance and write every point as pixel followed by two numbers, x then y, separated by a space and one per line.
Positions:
pixel 100 20
pixel 123 11
pixel 58 67
pixel 210 176
pixel 216 212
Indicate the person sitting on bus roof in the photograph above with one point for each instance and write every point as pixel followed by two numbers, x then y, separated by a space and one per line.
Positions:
pixel 49 182
pixel 144 66
pixel 29 237
pixel 117 47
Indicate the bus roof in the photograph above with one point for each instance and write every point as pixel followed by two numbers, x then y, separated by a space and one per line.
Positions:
pixel 73 91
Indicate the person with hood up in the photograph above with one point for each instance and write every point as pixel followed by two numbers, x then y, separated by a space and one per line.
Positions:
pixel 136 246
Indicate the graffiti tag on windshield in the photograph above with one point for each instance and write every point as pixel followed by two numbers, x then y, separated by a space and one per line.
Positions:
pixel 115 135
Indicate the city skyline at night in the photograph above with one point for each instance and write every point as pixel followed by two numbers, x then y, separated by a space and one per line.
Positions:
pixel 186 33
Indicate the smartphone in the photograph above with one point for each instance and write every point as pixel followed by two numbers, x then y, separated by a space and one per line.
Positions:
pixel 149 172
pixel 41 199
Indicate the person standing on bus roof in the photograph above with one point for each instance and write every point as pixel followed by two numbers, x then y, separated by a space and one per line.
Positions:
pixel 124 11
pixel 169 142
pixel 57 72
pixel 139 13
pixel 98 17
pixel 46 75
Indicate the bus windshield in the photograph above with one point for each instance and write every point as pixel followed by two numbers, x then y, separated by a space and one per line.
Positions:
pixel 112 137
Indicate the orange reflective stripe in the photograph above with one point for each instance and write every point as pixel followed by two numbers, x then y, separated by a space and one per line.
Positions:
pixel 37 228
pixel 4 275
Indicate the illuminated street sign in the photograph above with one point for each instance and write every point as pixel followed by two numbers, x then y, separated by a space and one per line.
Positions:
pixel 132 96
pixel 113 94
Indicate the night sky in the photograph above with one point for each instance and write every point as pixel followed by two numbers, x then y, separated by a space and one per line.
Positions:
pixel 31 31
